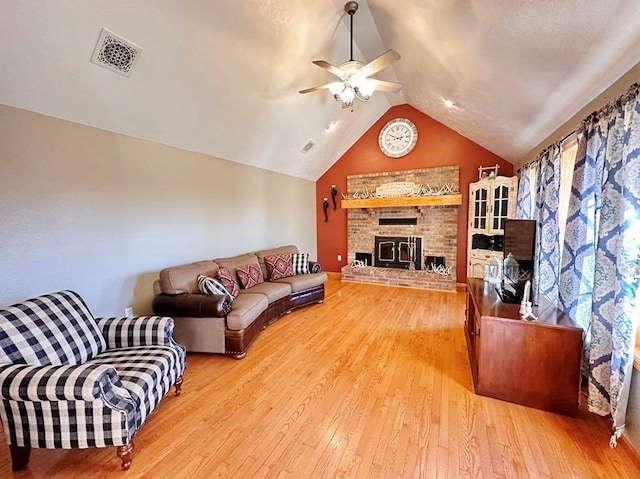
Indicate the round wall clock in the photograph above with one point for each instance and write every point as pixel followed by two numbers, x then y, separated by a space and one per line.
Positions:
pixel 398 137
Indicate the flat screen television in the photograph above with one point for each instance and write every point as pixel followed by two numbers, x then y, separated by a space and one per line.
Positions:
pixel 519 240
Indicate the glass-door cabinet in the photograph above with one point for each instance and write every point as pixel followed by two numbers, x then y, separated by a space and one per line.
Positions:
pixel 480 196
pixel 492 200
pixel 500 208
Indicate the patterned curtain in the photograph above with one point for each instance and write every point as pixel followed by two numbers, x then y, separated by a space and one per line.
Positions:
pixel 545 212
pixel 600 274
pixel 523 205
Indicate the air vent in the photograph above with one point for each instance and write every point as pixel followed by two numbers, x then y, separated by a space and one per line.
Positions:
pixel 307 146
pixel 115 53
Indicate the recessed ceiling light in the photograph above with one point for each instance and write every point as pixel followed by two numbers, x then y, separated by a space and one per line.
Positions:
pixel 449 104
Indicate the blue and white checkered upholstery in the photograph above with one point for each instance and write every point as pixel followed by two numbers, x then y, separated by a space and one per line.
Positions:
pixel 68 380
pixel 52 329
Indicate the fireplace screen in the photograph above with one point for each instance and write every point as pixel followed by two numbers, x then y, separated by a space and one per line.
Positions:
pixel 398 251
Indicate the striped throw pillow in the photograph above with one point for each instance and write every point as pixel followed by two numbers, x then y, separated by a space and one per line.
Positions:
pixel 212 286
pixel 300 263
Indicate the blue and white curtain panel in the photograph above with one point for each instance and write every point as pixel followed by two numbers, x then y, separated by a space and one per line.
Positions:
pixel 523 205
pixel 545 212
pixel 600 272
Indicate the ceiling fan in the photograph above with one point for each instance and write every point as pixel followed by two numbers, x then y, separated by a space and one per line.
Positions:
pixel 354 75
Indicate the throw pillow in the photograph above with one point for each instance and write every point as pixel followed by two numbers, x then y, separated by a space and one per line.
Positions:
pixel 300 263
pixel 212 286
pixel 279 266
pixel 228 280
pixel 250 275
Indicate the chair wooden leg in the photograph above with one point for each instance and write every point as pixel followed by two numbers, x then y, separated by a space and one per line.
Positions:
pixel 19 456
pixel 178 385
pixel 124 453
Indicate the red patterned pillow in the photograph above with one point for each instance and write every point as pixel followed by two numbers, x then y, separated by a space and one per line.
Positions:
pixel 250 275
pixel 228 281
pixel 279 266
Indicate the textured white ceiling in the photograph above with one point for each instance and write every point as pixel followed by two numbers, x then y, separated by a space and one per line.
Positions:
pixel 222 77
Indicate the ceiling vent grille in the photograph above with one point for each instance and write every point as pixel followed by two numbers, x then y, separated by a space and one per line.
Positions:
pixel 115 53
pixel 307 146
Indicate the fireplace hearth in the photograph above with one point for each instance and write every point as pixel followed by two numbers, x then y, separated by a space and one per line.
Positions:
pixel 398 252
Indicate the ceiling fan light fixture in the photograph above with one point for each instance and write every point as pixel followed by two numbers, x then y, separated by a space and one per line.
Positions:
pixel 354 75
pixel 336 88
pixel 347 96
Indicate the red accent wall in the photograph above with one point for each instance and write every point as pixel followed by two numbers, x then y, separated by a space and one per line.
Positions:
pixel 437 145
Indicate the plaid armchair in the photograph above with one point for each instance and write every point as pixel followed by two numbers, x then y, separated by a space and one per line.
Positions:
pixel 69 380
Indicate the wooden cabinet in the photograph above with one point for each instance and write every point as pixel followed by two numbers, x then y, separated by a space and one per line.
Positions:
pixel 534 363
pixel 491 201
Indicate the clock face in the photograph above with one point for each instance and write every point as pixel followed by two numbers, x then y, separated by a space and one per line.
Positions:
pixel 398 137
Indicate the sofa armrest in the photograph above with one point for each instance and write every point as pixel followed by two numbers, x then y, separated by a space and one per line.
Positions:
pixel 192 305
pixel 122 332
pixel 82 382
pixel 314 267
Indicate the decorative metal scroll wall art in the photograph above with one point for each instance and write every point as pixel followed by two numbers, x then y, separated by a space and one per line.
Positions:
pixel 334 193
pixel 325 208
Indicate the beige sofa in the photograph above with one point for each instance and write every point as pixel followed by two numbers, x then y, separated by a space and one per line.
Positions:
pixel 212 324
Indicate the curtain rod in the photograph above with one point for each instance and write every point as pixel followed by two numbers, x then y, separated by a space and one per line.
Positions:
pixel 560 141
pixel 566 137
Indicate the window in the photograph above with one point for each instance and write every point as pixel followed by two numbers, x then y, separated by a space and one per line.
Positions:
pixel 567 165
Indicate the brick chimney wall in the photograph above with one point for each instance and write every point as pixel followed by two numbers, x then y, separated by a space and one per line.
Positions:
pixel 436 225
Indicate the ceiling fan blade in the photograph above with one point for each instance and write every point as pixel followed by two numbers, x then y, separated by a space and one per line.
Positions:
pixel 387 86
pixel 383 61
pixel 316 88
pixel 330 68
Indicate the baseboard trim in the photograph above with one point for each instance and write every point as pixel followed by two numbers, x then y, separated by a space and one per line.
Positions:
pixel 635 456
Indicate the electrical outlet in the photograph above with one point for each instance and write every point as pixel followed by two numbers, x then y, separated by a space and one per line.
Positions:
pixel 128 312
pixel 339 257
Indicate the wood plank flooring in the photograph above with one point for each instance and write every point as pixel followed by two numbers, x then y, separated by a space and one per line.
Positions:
pixel 374 383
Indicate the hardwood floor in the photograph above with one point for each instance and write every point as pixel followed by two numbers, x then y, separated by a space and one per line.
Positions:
pixel 374 383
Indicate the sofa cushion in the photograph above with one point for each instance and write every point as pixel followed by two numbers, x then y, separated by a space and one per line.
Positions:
pixel 278 266
pixel 272 290
pixel 300 282
pixel 183 279
pixel 250 275
pixel 211 286
pixel 246 308
pixel 300 263
pixel 228 280
pixel 288 249
pixel 53 329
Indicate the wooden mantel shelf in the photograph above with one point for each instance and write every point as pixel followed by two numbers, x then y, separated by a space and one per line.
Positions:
pixel 439 200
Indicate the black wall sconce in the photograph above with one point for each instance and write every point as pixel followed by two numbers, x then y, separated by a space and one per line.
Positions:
pixel 325 208
pixel 334 193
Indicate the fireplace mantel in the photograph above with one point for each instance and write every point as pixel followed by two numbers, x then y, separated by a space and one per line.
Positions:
pixel 439 200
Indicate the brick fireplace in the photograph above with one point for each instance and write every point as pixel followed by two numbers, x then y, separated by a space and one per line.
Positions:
pixel 432 228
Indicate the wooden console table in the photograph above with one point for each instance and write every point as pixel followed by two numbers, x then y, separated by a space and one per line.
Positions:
pixel 534 363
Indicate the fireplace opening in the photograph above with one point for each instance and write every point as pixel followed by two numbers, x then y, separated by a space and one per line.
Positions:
pixel 366 258
pixel 398 252
pixel 433 262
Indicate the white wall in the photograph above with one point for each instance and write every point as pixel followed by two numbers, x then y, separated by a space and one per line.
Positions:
pixel 101 213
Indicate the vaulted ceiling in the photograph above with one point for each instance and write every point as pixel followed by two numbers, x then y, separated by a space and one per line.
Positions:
pixel 222 77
